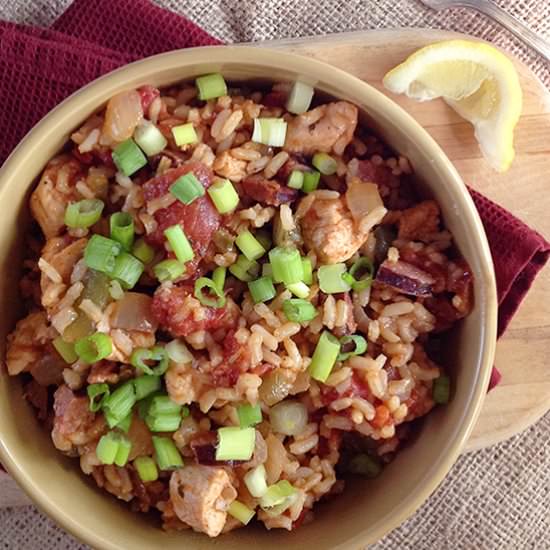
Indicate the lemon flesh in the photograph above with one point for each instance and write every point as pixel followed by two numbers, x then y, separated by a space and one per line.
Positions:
pixel 478 81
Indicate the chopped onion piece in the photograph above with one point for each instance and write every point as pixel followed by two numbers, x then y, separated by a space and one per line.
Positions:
pixel 299 98
pixel 288 417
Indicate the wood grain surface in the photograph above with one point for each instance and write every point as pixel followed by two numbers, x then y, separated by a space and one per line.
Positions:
pixel 523 353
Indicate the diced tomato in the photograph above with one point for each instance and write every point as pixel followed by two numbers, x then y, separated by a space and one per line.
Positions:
pixel 147 94
pixel 84 158
pixel 382 416
pixel 225 375
pixel 360 387
pixel 275 99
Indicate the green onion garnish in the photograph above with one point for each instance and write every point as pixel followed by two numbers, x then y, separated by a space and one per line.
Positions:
pixel 269 131
pixel 156 355
pixel 276 494
pixel 203 283
pixel 100 253
pixel 178 352
pixel 168 270
pixel 65 349
pixel 324 163
pixel 146 385
pixel 122 229
pixel 249 415
pixel 218 276
pixel 127 270
pixel 364 465
pixel 146 468
pixel 286 264
pixel 240 512
pixel 264 238
pixel 308 271
pixel 324 357
pixel 300 290
pixel 441 389
pixel 311 181
pixel 362 272
pixel 128 157
pixel 143 252
pixel 360 346
pixel 125 423
pixel 224 196
pixel 94 348
pixel 149 138
pixel 115 290
pixel 187 188
pixel 235 443
pixel 162 404
pixel 167 454
pixel 262 289
pixel 107 448
pixel 95 391
pixel 256 481
pixel 123 451
pixel 249 245
pixel 184 134
pixel 163 422
pixel 245 270
pixel 267 270
pixel 299 311
pixel 295 180
pixel 185 411
pixel 299 98
pixel 179 243
pixel 83 213
pixel 331 280
pixel 211 86
pixel 119 404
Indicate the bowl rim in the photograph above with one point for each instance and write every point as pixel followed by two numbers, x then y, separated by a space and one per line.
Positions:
pixel 56 121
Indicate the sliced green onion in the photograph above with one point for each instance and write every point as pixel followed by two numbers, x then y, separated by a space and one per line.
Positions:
pixel 185 411
pixel 65 349
pixel 300 290
pixel 144 404
pixel 324 163
pixel 184 134
pixel 364 465
pixel 168 270
pixel 142 251
pixel 267 270
pixel 262 290
pixel 240 512
pixel 249 246
pixel 115 290
pixel 162 404
pixel 269 131
pixel 177 351
pixel 107 448
pixel 125 423
pixel 441 390
pixel 224 196
pixel 295 180
pixel 348 278
pixel 128 157
pixel 167 454
pixel 119 404
pixel 360 346
pixel 276 494
pixel 94 348
pixel 146 385
pixel 205 283
pixel 286 264
pixel 211 86
pixel 324 357
pixel 245 270
pixel 100 253
pixel 299 311
pixel 235 443
pixel 264 238
pixel 218 276
pixel 149 138
pixel 122 229
pixel 94 391
pixel 362 272
pixel 127 270
pixel 123 452
pixel 249 415
pixel 163 422
pixel 156 354
pixel 187 188
pixel 146 468
pixel 331 280
pixel 256 481
pixel 311 181
pixel 308 271
pixel 299 98
pixel 83 213
pixel 179 243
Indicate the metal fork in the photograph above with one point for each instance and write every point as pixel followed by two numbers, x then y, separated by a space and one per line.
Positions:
pixel 496 13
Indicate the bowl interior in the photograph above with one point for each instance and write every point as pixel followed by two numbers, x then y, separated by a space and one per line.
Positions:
pixel 367 509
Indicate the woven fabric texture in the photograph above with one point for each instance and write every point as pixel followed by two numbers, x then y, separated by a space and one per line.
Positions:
pixel 453 513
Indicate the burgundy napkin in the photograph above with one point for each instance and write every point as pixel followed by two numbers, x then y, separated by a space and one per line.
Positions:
pixel 40 67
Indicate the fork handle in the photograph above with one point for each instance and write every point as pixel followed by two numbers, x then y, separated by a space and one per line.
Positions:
pixel 511 23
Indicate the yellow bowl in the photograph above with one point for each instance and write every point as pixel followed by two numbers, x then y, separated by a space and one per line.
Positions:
pixel 367 510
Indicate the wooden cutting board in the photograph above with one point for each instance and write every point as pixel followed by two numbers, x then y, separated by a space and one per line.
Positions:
pixel 523 353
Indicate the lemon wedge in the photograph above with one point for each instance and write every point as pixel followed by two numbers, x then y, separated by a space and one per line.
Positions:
pixel 478 81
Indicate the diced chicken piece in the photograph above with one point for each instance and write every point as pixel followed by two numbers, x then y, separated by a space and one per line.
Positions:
pixel 53 193
pixel 329 229
pixel 327 128
pixel 180 383
pixel 419 221
pixel 200 496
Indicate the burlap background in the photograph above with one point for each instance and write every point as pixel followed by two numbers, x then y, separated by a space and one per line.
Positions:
pixel 498 498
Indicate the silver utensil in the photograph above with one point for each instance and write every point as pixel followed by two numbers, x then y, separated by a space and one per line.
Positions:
pixel 496 13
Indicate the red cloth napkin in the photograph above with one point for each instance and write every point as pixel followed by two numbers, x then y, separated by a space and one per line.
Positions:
pixel 40 67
